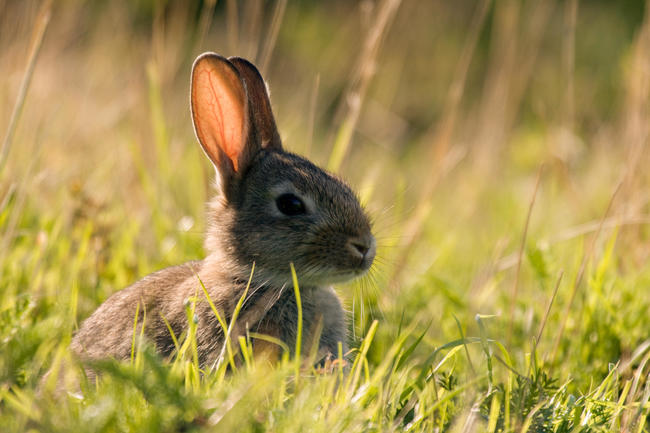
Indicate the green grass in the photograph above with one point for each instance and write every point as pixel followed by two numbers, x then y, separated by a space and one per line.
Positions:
pixel 494 304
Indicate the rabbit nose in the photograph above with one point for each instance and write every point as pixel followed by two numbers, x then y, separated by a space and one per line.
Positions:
pixel 362 248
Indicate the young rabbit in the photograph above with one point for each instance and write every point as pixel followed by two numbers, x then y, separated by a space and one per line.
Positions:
pixel 273 208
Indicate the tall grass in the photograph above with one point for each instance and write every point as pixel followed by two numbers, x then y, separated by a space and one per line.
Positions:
pixel 504 297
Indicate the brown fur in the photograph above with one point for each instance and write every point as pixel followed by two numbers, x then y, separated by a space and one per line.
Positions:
pixel 330 242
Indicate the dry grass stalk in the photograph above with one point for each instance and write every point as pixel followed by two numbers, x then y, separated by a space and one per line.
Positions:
pixel 440 138
pixel 38 34
pixel 570 18
pixel 515 284
pixel 586 257
pixel 509 74
pixel 272 37
pixel 355 94
pixel 232 18
pixel 510 260
pixel 205 21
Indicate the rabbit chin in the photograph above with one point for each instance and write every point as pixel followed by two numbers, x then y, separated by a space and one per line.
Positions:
pixel 327 277
pixel 313 278
pixel 308 276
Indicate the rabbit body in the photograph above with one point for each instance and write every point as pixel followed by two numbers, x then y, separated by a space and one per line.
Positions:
pixel 273 208
pixel 166 293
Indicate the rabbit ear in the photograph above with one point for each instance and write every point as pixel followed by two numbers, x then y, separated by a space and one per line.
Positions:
pixel 259 104
pixel 219 107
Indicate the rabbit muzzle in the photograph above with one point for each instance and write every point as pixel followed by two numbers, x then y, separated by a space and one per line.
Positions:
pixel 362 250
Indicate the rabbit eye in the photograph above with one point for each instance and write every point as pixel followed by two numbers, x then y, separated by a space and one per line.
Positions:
pixel 290 204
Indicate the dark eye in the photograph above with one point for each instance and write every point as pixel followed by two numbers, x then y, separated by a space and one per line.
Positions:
pixel 290 204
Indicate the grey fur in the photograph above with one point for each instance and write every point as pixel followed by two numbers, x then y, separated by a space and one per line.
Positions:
pixel 245 227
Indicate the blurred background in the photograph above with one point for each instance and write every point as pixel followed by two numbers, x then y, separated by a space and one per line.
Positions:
pixel 501 147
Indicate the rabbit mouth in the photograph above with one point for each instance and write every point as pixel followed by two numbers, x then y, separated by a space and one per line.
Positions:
pixel 329 277
pixel 337 275
pixel 355 261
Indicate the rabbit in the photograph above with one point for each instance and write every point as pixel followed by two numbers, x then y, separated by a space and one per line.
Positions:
pixel 273 208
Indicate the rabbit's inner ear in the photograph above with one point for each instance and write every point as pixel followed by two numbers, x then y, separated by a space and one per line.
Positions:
pixel 259 103
pixel 219 111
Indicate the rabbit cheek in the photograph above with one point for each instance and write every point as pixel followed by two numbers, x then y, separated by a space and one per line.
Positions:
pixel 270 244
pixel 327 258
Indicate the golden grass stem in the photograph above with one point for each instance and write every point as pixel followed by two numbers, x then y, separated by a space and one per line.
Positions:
pixel 311 120
pixel 272 36
pixel 207 12
pixel 269 339
pixel 583 264
pixel 548 310
pixel 252 24
pixel 224 327
pixel 171 332
pixel 522 247
pixel 227 347
pixel 635 120
pixel 134 332
pixel 38 35
pixel 16 197
pixel 570 18
pixel 510 260
pixel 509 74
pixel 355 373
pixel 441 135
pixel 232 20
pixel 296 290
pixel 355 95
pixel 634 415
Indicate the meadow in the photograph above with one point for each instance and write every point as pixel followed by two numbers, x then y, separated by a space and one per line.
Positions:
pixel 500 147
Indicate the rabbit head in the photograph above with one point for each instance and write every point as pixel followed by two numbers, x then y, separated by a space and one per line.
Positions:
pixel 274 208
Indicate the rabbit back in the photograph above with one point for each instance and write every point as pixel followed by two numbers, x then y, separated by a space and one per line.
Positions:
pixel 109 330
